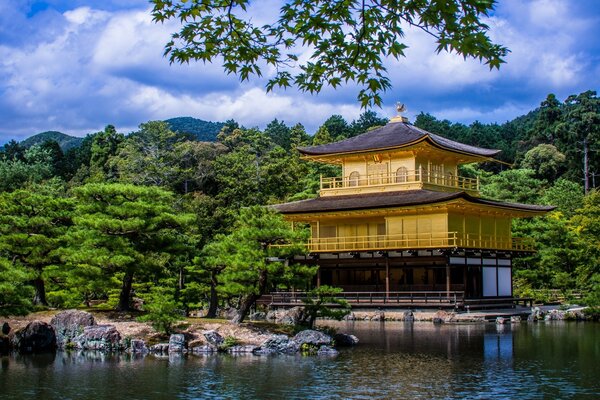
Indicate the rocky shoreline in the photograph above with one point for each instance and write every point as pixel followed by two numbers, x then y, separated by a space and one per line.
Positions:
pixel 78 330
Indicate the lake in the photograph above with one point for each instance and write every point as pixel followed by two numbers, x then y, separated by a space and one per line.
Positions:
pixel 552 360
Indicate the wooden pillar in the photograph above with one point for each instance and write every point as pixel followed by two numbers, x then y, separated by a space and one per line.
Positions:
pixel 465 279
pixel 387 276
pixel 448 280
pixel 319 277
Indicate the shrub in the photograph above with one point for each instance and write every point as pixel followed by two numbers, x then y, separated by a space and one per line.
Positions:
pixel 162 311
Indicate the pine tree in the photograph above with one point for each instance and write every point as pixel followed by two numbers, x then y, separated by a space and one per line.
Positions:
pixel 127 231
pixel 254 264
pixel 33 223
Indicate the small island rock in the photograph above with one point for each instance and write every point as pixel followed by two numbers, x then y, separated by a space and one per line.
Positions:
pixel 36 337
pixel 69 324
pixel 312 337
pixel 99 337
pixel 214 338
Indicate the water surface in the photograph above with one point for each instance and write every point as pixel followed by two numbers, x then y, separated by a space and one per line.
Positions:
pixel 394 361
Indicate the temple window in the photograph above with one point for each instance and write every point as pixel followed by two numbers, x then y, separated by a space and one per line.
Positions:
pixel 353 178
pixel 401 175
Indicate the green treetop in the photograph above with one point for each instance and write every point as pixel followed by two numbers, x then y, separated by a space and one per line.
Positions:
pixel 126 230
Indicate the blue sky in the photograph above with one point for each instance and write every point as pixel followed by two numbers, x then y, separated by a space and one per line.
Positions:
pixel 78 65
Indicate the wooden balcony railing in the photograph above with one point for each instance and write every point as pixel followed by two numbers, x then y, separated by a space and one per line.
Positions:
pixel 418 241
pixel 409 178
pixel 420 298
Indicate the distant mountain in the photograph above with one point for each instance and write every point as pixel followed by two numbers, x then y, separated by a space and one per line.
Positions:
pixel 65 141
pixel 204 131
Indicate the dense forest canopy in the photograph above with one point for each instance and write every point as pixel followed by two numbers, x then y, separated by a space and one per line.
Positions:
pixel 121 215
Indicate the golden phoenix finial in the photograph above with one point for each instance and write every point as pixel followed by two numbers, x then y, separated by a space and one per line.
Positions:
pixel 400 107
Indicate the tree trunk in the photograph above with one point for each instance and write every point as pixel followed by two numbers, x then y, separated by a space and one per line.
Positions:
pixel 214 298
pixel 586 167
pixel 124 304
pixel 249 300
pixel 247 303
pixel 40 292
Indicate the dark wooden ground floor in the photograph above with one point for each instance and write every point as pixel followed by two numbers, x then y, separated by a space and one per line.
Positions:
pixel 418 278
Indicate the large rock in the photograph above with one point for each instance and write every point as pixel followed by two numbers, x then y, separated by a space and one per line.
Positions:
pixel 327 351
pixel 205 349
pixel 311 337
pixel 408 316
pixel 214 338
pixel 342 339
pixel 176 343
pixel 70 324
pixel 160 348
pixel 36 337
pixel 242 349
pixel 138 346
pixel 257 316
pixel 293 316
pixel 99 337
pixel 278 344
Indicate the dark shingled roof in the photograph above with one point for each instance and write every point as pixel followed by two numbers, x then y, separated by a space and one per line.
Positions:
pixel 394 134
pixel 392 199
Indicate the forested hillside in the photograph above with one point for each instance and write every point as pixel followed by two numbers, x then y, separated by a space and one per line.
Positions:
pixel 65 141
pixel 151 215
pixel 203 131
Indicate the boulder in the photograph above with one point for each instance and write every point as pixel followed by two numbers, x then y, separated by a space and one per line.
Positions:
pixel 500 320
pixel 515 319
pixel 5 328
pixel 441 317
pixel 257 316
pixel 272 315
pixel 69 324
pixel 327 351
pixel 177 343
pixel 312 337
pixel 408 316
pixel 241 349
pixel 205 349
pixel 379 316
pixel 278 344
pixel 214 338
pixel 342 339
pixel 99 337
pixel 536 315
pixel 292 316
pixel 160 348
pixel 350 317
pixel 36 337
pixel 138 346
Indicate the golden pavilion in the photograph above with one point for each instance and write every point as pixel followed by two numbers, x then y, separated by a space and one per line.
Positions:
pixel 400 225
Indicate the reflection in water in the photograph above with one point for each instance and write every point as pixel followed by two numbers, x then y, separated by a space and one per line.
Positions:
pixel 394 360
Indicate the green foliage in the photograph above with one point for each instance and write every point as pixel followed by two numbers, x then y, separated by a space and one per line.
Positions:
pixel 348 39
pixel 228 343
pixel 515 185
pixel 15 294
pixel 323 302
pixel 33 223
pixel 104 145
pixel 162 311
pixel 35 167
pixel 123 228
pixel 253 262
pixel 547 162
